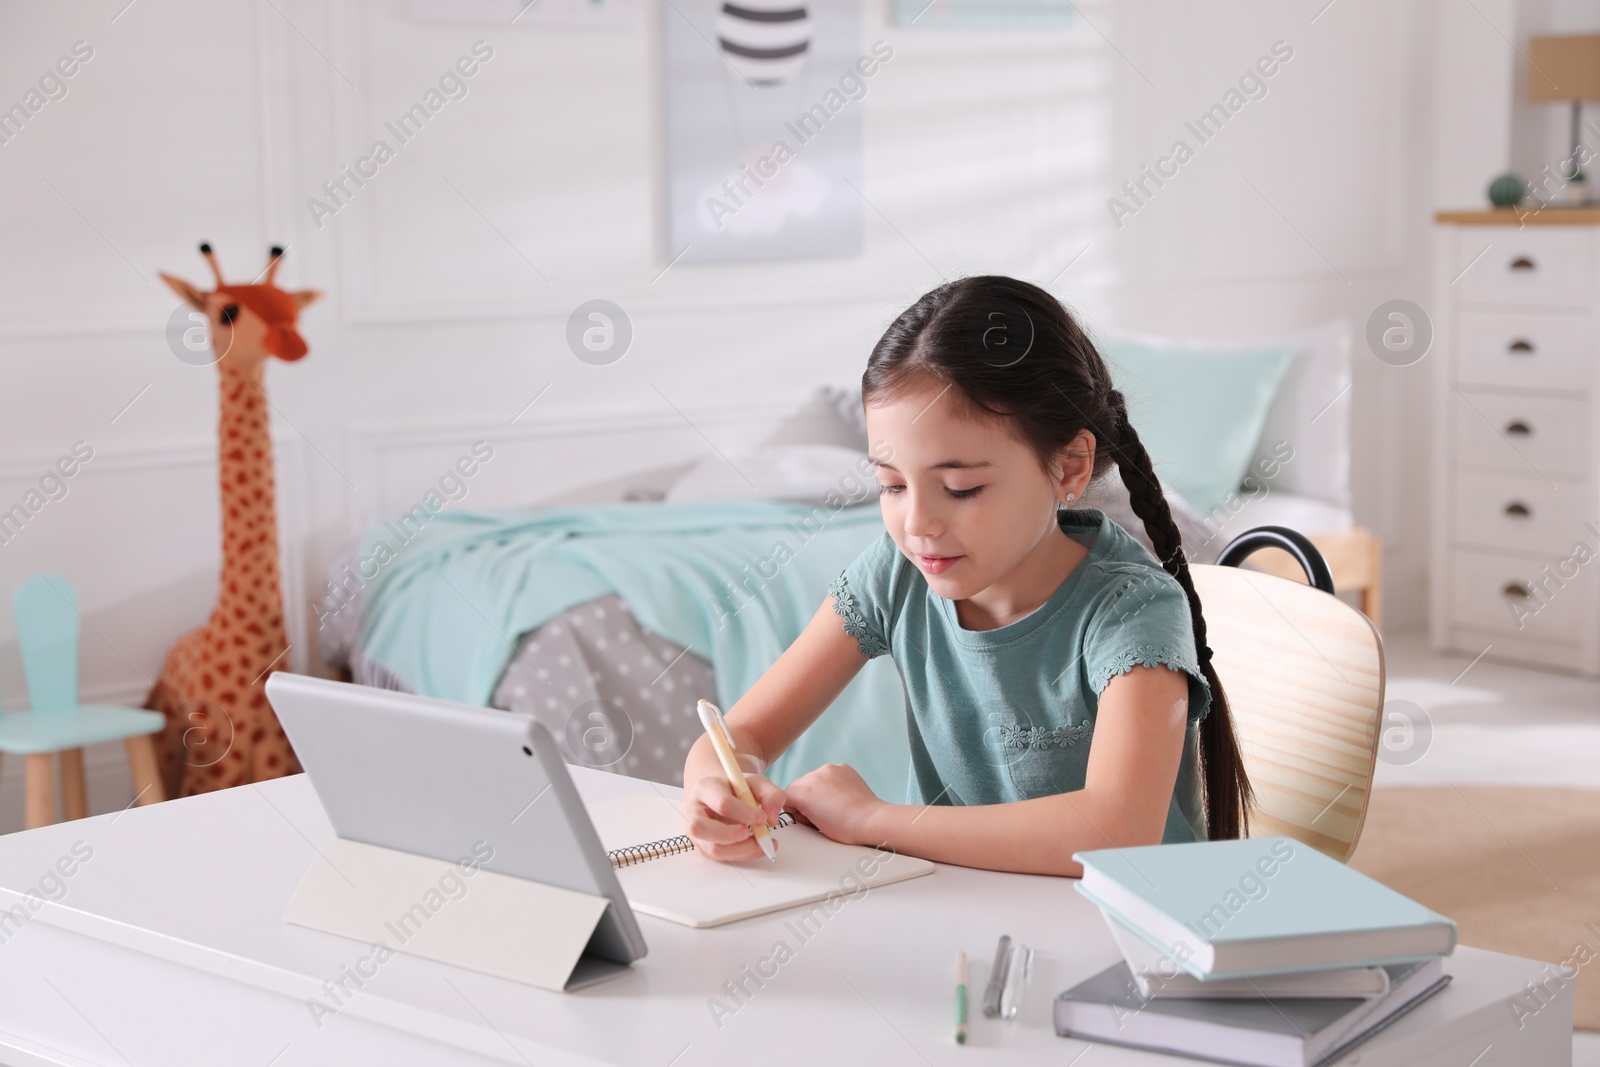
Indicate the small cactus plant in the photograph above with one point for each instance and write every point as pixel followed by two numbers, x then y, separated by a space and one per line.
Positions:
pixel 1507 190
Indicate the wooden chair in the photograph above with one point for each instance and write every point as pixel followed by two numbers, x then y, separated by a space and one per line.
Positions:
pixel 1304 674
pixel 46 609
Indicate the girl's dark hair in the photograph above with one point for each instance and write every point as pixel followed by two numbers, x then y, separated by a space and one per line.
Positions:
pixel 1003 347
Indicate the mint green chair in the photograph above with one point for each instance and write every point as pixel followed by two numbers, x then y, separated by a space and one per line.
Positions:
pixel 46 610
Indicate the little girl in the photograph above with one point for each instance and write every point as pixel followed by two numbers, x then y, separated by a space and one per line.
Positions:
pixel 1060 692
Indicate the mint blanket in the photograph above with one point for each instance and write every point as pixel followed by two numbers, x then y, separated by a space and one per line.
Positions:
pixel 734 581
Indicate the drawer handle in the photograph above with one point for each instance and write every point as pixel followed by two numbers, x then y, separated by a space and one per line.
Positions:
pixel 1520 347
pixel 1519 429
pixel 1518 510
pixel 1517 591
pixel 1522 263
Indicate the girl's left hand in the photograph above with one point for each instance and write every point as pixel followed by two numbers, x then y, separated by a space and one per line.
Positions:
pixel 837 801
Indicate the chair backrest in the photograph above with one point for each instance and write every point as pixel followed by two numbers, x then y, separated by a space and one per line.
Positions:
pixel 1304 674
pixel 46 609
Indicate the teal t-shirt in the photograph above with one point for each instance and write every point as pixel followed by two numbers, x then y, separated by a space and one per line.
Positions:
pixel 1008 714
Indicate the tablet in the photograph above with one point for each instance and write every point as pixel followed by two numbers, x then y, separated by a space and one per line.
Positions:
pixel 440 779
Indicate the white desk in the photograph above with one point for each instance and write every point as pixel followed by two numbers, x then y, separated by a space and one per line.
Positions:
pixel 167 949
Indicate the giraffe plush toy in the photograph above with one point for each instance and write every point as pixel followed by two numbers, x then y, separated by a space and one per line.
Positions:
pixel 220 729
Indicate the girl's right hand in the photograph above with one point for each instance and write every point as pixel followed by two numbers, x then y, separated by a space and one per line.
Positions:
pixel 719 823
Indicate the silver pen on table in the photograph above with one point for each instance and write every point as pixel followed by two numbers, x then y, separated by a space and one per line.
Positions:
pixel 997 976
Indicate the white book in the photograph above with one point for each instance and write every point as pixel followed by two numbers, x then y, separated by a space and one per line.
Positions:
pixel 1257 906
pixel 1158 974
pixel 662 874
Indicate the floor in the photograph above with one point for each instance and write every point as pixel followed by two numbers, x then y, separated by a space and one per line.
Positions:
pixel 1453 719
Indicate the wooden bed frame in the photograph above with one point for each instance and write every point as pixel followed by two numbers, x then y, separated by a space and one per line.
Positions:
pixel 1354 556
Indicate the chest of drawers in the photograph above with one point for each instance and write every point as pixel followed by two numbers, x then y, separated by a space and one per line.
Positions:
pixel 1515 562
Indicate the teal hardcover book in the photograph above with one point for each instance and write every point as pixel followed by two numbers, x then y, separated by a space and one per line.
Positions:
pixel 1236 909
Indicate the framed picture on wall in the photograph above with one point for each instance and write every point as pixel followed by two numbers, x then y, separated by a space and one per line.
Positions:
pixel 925 14
pixel 764 104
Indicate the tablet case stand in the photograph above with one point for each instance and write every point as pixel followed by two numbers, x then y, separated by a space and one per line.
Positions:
pixel 478 919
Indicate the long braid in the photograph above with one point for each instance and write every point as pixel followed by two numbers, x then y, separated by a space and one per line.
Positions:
pixel 1228 795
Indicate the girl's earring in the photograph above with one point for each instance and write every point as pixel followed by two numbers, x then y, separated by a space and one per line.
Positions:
pixel 1071 497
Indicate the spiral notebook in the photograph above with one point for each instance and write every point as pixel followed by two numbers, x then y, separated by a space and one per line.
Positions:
pixel 664 876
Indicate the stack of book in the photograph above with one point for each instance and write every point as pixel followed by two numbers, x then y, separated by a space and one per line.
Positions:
pixel 1260 952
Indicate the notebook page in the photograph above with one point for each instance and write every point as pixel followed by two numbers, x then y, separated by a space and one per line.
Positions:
pixel 697 891
pixel 636 819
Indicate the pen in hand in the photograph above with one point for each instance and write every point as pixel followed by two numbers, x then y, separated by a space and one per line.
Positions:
pixel 722 743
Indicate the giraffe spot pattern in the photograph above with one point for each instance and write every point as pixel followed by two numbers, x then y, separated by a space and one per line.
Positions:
pixel 214 675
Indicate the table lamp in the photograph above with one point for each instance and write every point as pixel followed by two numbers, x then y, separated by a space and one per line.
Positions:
pixel 1565 69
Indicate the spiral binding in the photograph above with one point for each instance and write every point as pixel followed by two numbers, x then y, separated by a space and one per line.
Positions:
pixel 667 846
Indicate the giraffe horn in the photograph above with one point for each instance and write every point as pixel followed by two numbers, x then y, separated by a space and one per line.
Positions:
pixel 216 271
pixel 276 256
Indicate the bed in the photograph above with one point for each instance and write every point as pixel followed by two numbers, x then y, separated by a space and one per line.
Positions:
pixel 606 621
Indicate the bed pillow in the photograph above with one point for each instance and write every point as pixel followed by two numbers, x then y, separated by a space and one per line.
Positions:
pixel 1110 495
pixel 803 474
pixel 1311 412
pixel 1199 413
pixel 844 398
